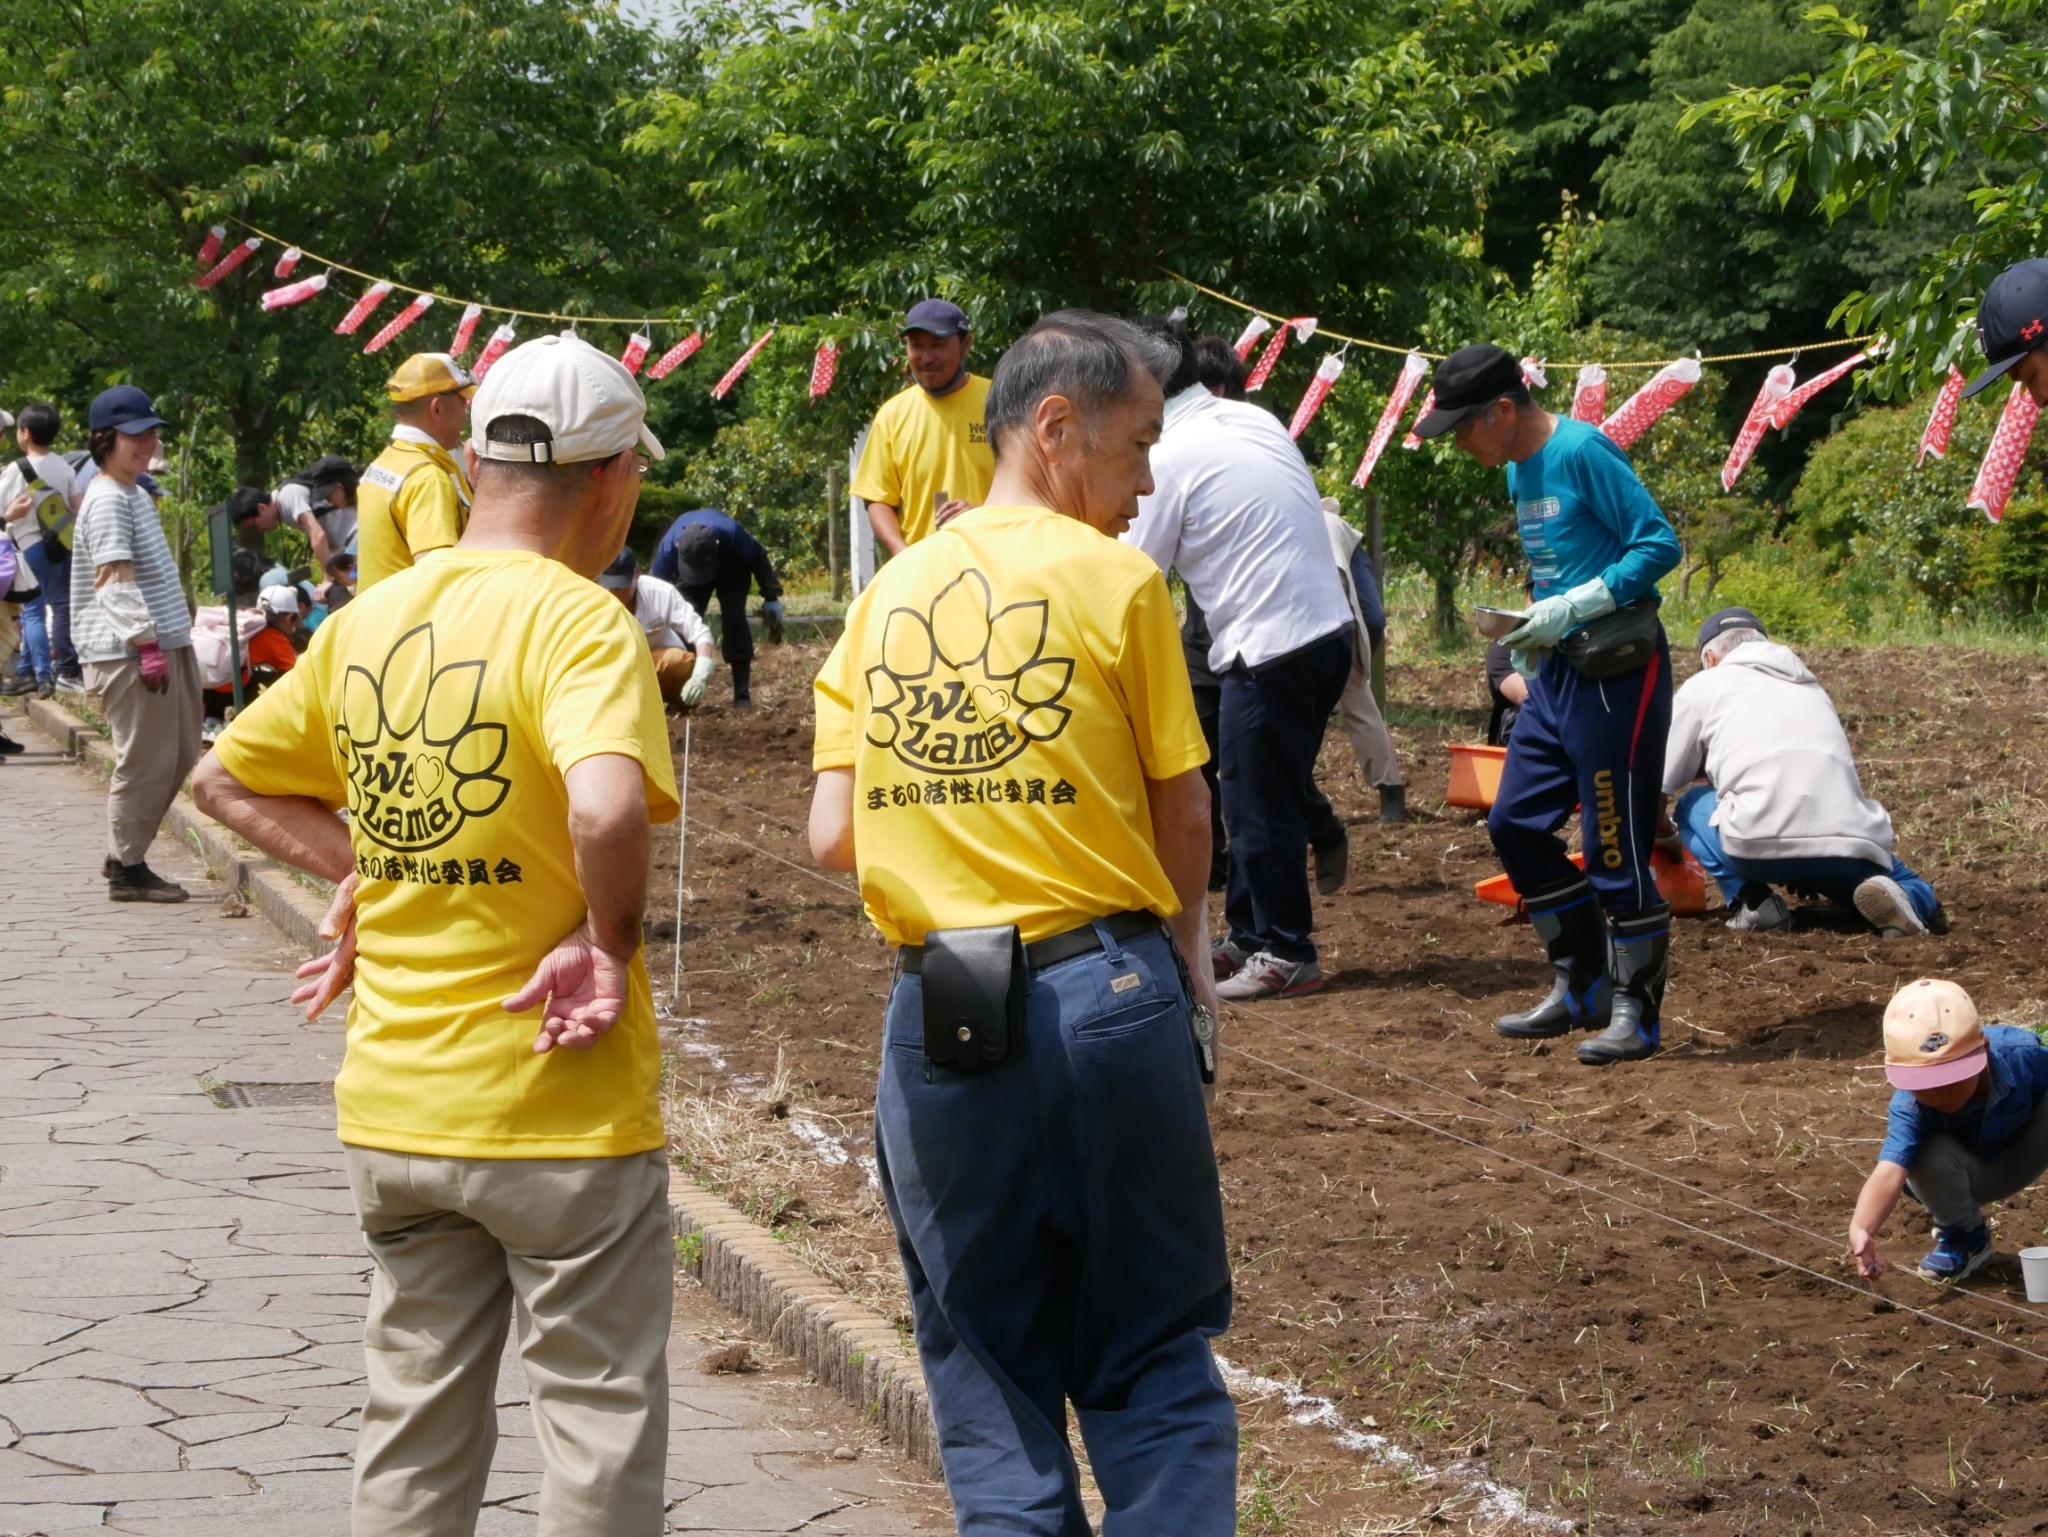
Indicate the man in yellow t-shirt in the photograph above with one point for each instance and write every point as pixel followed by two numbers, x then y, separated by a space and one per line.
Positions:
pixel 491 721
pixel 1007 752
pixel 928 455
pixel 415 496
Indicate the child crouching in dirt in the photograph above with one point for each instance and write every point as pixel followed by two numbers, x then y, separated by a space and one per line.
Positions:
pixel 1969 1124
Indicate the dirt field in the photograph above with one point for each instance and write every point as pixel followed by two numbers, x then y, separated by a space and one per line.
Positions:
pixel 1527 1292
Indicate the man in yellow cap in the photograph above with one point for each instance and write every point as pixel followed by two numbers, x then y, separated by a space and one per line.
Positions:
pixel 415 496
pixel 1969 1125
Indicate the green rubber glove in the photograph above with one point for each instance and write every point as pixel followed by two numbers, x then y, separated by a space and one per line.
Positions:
pixel 1524 662
pixel 692 693
pixel 1548 620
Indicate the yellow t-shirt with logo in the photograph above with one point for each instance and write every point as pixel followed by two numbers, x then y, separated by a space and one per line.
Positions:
pixel 920 445
pixel 413 498
pixel 1002 691
pixel 443 709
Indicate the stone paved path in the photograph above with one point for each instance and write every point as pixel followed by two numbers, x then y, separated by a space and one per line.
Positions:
pixel 182 1284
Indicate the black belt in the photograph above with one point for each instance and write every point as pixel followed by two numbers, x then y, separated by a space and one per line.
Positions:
pixel 1060 947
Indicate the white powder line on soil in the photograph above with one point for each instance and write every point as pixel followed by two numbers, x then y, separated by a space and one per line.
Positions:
pixel 1496 1501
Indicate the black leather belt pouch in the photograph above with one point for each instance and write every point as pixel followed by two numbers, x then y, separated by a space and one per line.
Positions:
pixel 1614 643
pixel 974 986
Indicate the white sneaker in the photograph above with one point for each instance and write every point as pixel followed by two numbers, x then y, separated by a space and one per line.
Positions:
pixel 1225 959
pixel 1767 917
pixel 1265 975
pixel 1885 906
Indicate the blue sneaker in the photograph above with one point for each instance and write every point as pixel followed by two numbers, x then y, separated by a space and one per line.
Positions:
pixel 1958 1252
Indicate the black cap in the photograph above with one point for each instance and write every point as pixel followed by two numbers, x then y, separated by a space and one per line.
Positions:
pixel 697 555
pixel 941 317
pixel 618 576
pixel 1727 619
pixel 1469 380
pixel 2013 319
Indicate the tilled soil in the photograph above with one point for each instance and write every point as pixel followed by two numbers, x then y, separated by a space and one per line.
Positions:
pixel 1618 1295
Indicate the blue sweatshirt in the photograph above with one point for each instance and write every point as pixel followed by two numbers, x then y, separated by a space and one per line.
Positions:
pixel 2019 1078
pixel 1583 514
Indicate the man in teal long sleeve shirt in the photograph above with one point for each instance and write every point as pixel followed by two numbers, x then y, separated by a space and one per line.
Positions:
pixel 1591 735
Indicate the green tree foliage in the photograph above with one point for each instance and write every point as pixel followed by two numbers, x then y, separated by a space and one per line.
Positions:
pixel 1881 523
pixel 473 146
pixel 852 156
pixel 1879 118
pixel 1564 124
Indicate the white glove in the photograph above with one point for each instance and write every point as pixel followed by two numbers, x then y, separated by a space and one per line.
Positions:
pixel 1549 620
pixel 692 692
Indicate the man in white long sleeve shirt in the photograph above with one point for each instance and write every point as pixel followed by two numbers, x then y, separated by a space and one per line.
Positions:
pixel 677 636
pixel 134 637
pixel 1783 805
pixel 1236 512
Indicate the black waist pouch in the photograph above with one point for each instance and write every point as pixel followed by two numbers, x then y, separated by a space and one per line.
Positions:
pixel 1614 643
pixel 974 985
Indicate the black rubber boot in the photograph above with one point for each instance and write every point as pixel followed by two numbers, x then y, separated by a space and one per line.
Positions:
pixel 742 693
pixel 1574 934
pixel 1394 804
pixel 1638 959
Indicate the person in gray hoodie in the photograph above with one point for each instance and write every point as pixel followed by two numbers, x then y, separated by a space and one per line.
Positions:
pixel 1782 805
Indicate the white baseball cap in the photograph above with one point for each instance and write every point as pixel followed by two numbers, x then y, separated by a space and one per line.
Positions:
pixel 591 406
pixel 280 599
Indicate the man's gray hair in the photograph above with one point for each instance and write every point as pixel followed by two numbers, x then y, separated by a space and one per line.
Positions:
pixel 1728 640
pixel 1091 359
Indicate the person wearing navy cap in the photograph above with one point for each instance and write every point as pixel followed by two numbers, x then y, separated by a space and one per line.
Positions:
pixel 2012 328
pixel 1591 734
pixel 928 456
pixel 1783 804
pixel 133 634
pixel 706 554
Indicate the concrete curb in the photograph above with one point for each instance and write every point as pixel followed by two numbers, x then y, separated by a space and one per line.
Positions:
pixel 851 1350
pixel 291 908
pixel 854 1352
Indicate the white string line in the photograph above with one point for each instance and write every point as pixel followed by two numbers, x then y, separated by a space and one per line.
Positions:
pixel 675 984
pixel 1648 1211
pixel 719 832
pixel 1825 1240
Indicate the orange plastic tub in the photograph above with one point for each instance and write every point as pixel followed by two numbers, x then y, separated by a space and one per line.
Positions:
pixel 1680 881
pixel 1475 775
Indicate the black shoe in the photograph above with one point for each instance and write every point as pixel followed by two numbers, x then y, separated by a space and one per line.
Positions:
pixel 1574 935
pixel 743 702
pixel 9 747
pixel 110 868
pixel 1333 863
pixel 46 690
pixel 1394 804
pixel 24 683
pixel 139 883
pixel 1638 958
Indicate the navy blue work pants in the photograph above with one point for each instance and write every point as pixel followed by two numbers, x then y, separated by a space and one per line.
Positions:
pixel 1272 730
pixel 1061 1229
pixel 1599 747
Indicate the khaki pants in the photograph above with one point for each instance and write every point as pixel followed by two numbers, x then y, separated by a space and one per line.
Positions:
pixel 156 742
pixel 672 669
pixel 580 1248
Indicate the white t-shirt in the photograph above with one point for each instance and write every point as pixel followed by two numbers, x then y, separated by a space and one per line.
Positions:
pixel 1235 509
pixel 667 616
pixel 54 473
pixel 337 523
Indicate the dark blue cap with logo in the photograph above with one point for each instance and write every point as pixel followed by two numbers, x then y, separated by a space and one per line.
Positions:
pixel 1728 619
pixel 2013 319
pixel 123 408
pixel 941 317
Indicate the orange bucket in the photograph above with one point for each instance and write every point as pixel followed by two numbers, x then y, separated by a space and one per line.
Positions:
pixel 1475 775
pixel 1680 881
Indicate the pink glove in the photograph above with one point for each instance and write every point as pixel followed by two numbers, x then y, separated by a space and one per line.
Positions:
pixel 156 667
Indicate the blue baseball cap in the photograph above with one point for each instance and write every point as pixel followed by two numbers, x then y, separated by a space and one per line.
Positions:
pixel 123 408
pixel 941 317
pixel 1728 619
pixel 2012 321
